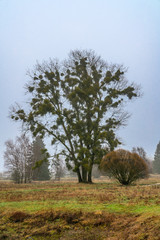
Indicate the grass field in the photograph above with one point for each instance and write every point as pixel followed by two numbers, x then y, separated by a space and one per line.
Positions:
pixel 68 210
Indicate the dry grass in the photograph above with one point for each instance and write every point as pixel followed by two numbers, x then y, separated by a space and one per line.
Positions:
pixel 67 210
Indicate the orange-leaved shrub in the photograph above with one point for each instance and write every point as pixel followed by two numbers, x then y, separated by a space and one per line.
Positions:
pixel 124 166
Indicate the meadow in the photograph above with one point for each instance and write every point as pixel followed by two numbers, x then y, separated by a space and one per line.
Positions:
pixel 69 210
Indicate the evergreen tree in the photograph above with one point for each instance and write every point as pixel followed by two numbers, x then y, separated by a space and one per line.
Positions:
pixel 41 167
pixel 156 162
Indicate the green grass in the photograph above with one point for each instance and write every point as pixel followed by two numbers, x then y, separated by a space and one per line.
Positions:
pixel 34 206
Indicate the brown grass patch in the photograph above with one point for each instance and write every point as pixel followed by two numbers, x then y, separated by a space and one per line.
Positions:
pixel 66 225
pixel 18 216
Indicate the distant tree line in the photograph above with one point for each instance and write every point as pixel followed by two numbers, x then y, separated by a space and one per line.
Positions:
pixel 28 162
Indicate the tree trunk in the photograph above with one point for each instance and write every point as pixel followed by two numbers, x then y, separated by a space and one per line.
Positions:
pixel 84 174
pixel 90 174
pixel 79 176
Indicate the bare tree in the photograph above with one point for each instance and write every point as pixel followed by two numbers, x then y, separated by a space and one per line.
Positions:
pixel 17 159
pixel 142 153
pixel 58 168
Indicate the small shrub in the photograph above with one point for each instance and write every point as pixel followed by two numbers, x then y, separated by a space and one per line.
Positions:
pixel 124 166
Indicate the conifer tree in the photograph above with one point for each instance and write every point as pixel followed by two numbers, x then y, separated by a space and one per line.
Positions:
pixel 40 167
pixel 156 162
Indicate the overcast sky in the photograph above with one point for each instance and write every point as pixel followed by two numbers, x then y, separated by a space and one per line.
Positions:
pixel 121 31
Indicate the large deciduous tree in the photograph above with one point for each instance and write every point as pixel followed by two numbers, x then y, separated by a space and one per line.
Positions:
pixel 79 103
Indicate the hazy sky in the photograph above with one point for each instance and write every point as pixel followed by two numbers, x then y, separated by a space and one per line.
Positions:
pixel 121 31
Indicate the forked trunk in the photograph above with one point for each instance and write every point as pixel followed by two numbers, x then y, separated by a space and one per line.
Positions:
pixel 86 177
